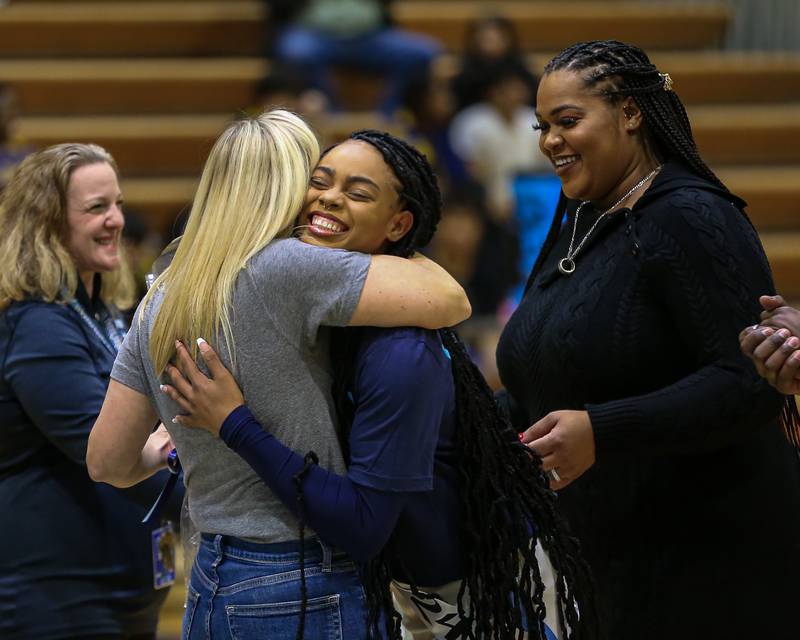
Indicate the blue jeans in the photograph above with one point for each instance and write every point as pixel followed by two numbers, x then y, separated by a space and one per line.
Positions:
pixel 398 55
pixel 241 590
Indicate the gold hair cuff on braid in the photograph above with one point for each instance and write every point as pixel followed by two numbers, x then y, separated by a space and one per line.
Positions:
pixel 665 77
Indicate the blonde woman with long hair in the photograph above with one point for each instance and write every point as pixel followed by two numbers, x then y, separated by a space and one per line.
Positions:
pixel 240 280
pixel 75 562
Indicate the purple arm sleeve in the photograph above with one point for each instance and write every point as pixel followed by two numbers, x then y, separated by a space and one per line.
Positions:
pixel 351 517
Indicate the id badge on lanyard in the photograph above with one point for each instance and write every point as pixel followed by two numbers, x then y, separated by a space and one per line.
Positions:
pixel 163 548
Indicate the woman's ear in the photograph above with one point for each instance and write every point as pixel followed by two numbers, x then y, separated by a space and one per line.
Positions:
pixel 399 225
pixel 631 114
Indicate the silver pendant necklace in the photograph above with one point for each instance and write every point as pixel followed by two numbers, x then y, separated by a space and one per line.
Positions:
pixel 567 264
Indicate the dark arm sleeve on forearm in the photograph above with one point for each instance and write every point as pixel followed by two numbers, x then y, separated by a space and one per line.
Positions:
pixel 354 518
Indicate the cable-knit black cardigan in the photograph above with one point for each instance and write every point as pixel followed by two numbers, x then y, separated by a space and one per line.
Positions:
pixel 690 517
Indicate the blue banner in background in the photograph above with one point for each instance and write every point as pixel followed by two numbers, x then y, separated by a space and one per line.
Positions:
pixel 536 198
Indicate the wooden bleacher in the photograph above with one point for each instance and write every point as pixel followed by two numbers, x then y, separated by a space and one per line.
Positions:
pixel 223 84
pixel 155 81
pixel 726 134
pixel 234 27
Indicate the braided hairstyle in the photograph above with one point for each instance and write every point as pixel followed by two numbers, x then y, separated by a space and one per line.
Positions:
pixel 503 490
pixel 622 70
pixel 618 71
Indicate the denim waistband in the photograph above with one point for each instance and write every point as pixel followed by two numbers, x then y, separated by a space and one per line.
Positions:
pixel 271 548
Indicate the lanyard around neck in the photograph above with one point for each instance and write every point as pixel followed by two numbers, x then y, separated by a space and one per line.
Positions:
pixel 110 330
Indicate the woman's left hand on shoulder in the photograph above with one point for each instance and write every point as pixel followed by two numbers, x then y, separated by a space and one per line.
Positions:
pixel 565 441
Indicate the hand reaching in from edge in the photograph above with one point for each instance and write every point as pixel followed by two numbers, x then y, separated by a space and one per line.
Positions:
pixel 778 315
pixel 774 345
pixel 206 402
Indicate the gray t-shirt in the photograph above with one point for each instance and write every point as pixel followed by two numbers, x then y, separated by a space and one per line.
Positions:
pixel 288 290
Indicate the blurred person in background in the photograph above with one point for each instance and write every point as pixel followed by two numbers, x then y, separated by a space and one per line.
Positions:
pixel 75 560
pixel 480 253
pixel 662 441
pixel 315 35
pixel 428 109
pixel 141 246
pixel 489 41
pixel 11 151
pixel 494 139
pixel 285 87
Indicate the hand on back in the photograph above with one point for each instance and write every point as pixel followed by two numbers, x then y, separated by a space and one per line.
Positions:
pixel 205 401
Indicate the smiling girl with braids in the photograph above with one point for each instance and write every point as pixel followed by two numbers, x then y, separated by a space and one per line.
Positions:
pixel 440 500
pixel 266 297
pixel 663 442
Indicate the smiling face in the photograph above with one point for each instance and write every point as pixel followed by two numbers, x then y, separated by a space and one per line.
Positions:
pixel 353 201
pixel 595 146
pixel 94 218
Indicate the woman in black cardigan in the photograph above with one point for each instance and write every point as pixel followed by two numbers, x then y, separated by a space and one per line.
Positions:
pixel 661 439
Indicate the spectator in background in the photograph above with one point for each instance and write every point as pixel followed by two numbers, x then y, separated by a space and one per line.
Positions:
pixel 11 151
pixel 490 41
pixel 142 246
pixel 495 138
pixel 429 108
pixel 285 87
pixel 477 251
pixel 75 560
pixel 314 35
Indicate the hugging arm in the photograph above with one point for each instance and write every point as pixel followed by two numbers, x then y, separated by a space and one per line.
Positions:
pixel 417 292
pixel 350 516
pixel 356 512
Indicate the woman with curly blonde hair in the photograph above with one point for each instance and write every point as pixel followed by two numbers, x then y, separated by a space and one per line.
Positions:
pixel 74 560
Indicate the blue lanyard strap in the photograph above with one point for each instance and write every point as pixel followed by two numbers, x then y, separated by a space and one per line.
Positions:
pixel 174 466
pixel 109 328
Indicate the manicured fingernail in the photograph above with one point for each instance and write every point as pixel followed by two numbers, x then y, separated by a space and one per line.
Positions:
pixel 162 387
pixel 175 420
pixel 792 342
pixel 784 333
pixel 201 343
